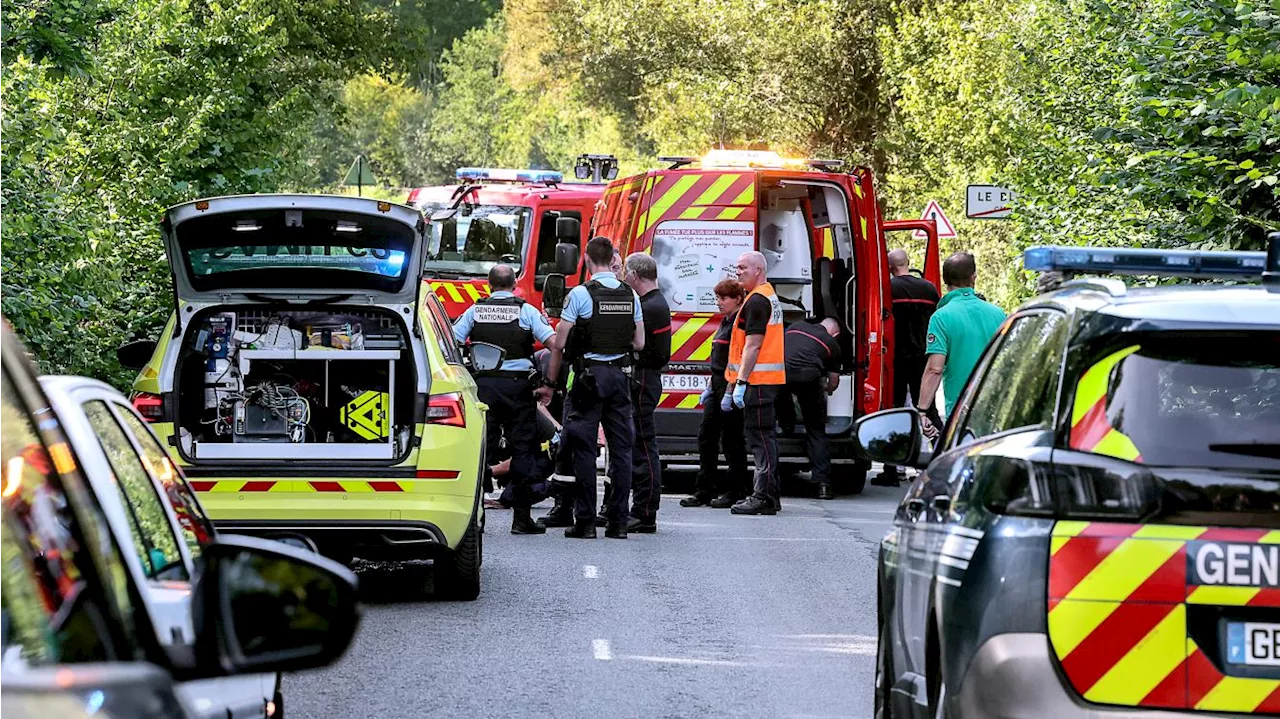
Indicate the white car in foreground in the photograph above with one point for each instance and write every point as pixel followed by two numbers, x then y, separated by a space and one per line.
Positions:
pixel 151 509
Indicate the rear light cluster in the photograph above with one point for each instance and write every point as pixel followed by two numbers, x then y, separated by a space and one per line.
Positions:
pixel 150 406
pixel 447 409
pixel 1076 485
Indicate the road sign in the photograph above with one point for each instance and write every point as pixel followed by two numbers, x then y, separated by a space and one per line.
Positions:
pixel 933 211
pixel 988 202
pixel 359 175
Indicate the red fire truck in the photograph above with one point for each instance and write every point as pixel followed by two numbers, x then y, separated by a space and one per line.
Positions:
pixel 823 236
pixel 507 216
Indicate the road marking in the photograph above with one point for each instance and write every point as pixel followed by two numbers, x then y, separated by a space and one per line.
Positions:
pixel 600 649
pixel 590 571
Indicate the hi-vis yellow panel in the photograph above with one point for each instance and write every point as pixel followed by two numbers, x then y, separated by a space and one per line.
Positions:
pixel 367 415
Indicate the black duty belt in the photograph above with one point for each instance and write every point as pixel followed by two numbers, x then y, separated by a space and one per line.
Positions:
pixel 620 363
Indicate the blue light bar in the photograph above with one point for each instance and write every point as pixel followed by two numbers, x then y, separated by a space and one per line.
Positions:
pixel 1160 263
pixel 499 174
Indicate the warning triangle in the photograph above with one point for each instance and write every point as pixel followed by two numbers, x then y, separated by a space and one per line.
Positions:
pixel 933 211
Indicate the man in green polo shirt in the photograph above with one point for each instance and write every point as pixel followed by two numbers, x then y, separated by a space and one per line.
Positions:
pixel 958 333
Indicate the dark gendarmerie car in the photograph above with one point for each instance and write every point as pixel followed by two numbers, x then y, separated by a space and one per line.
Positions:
pixel 1097 533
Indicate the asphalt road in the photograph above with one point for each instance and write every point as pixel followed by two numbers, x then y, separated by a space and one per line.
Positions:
pixel 715 615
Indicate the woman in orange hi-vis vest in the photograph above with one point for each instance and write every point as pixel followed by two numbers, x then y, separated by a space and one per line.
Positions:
pixel 757 368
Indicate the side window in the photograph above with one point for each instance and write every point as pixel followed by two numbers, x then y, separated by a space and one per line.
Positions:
pixel 153 537
pixel 197 531
pixel 1020 385
pixel 42 589
pixel 545 261
pixel 444 331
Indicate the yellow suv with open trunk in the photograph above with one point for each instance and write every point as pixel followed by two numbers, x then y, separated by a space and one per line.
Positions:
pixel 309 383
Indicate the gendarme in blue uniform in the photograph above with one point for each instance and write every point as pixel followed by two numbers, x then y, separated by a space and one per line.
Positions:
pixel 530 319
pixel 577 307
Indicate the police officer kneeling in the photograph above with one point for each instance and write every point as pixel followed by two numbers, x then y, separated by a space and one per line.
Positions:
pixel 509 322
pixel 599 327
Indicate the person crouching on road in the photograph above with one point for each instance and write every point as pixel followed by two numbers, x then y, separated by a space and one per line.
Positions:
pixel 813 361
pixel 600 326
pixel 646 390
pixel 756 370
pixel 511 323
pixel 719 427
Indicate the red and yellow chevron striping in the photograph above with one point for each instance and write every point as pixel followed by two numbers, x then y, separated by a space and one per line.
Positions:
pixel 1090 429
pixel 705 196
pixel 1119 598
pixel 691 337
pixel 458 296
pixel 352 486
pixel 679 400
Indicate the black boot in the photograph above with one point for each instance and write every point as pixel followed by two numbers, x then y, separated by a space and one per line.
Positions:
pixel 581 530
pixel 754 505
pixel 616 530
pixel 561 514
pixel 697 499
pixel 640 525
pixel 725 501
pixel 522 523
pixel 824 491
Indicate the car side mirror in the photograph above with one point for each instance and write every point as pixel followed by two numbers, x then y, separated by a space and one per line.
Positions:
pixel 484 357
pixel 893 436
pixel 566 258
pixel 135 354
pixel 264 606
pixel 553 294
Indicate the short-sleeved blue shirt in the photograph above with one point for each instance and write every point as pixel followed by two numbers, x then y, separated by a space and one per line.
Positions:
pixel 530 319
pixel 577 306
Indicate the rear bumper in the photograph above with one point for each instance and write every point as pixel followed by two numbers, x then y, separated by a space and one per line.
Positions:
pixel 385 540
pixel 1012 676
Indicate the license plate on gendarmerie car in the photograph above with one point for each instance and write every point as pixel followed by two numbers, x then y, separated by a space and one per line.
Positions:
pixel 685 382
pixel 1253 643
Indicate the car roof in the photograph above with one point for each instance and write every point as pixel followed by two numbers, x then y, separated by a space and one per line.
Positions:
pixel 284 200
pixel 1219 306
pixel 68 383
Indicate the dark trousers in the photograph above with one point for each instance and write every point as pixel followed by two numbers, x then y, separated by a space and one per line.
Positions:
pixel 813 409
pixel 907 372
pixel 513 415
pixel 601 395
pixel 722 429
pixel 758 424
pixel 646 468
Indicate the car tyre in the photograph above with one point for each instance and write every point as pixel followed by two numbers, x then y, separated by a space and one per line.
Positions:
pixel 851 479
pixel 884 671
pixel 457 575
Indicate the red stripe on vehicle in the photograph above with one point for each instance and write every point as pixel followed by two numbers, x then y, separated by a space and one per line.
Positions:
pixel 1202 677
pixel 1270 705
pixel 1092 427
pixel 1111 641
pixel 1166 584
pixel 437 474
pixel 1171 692
pixel 386 486
pixel 1225 534
pixel 1074 561
pixel 326 486
pixel 259 486
pixel 1266 597
pixel 1109 529
pixel 202 486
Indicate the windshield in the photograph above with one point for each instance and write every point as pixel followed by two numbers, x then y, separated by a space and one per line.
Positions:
pixel 1184 401
pixel 469 241
pixel 295 248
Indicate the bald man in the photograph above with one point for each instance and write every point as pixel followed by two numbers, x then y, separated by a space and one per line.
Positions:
pixel 914 300
pixel 813 373
pixel 757 371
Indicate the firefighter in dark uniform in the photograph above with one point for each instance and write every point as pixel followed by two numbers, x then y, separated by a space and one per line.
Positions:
pixel 720 428
pixel 511 323
pixel 646 390
pixel 600 326
pixel 813 359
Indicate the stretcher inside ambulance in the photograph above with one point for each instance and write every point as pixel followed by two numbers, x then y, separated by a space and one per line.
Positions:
pixel 823 238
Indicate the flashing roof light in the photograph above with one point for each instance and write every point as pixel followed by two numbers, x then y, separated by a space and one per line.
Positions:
pixel 767 159
pixel 499 174
pixel 1160 263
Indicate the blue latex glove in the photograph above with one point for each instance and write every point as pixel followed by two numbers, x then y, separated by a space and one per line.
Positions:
pixel 726 402
pixel 739 396
pixel 705 397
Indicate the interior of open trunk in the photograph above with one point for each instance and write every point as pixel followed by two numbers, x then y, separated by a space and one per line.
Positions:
pixel 265 383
